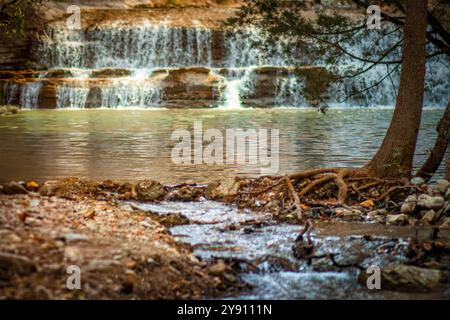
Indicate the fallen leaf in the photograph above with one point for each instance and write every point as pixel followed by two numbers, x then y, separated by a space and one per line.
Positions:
pixel 368 203
pixel 304 206
pixel 90 214
pixel 32 186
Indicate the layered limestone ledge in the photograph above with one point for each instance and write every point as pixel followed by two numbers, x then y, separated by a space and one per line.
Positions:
pixel 180 13
pixel 194 87
pixel 177 88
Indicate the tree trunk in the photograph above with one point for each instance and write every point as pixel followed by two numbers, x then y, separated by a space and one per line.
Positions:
pixel 394 159
pixel 440 147
pixel 447 169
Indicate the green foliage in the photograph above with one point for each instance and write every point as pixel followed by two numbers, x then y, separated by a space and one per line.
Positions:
pixel 13 15
pixel 317 82
pixel 313 35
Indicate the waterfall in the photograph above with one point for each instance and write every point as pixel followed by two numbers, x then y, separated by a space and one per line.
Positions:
pixel 120 94
pixel 238 83
pixel 243 50
pixel 11 91
pixel 131 53
pixel 290 91
pixel 71 97
pixel 29 95
pixel 130 96
pixel 144 46
pixel 231 95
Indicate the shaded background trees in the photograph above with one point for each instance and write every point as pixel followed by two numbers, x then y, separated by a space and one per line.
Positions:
pixel 13 14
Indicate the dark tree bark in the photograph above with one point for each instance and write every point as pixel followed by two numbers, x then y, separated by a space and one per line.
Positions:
pixel 447 169
pixel 440 147
pixel 394 159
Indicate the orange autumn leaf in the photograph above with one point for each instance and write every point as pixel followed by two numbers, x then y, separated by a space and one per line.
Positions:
pixel 368 203
pixel 304 206
pixel 32 186
pixel 90 214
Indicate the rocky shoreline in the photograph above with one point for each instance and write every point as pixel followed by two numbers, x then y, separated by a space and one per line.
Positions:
pixel 127 253
pixel 122 253
pixel 8 110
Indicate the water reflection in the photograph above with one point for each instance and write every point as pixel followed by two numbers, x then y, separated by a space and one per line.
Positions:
pixel 136 144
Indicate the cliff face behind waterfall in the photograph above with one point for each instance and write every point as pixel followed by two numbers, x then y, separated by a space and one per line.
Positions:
pixel 15 50
pixel 174 54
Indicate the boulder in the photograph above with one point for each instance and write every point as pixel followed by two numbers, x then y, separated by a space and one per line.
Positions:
pixel 417 181
pixel 441 186
pixel 446 223
pixel 49 188
pixel 7 110
pixel 429 217
pixel 410 278
pixel 149 190
pixel 14 187
pixel 377 215
pixel 218 268
pixel 11 264
pixel 348 214
pixel 186 193
pixel 397 219
pixel 222 189
pixel 168 220
pixel 409 205
pixel 429 202
pixel 378 212
pixel 446 209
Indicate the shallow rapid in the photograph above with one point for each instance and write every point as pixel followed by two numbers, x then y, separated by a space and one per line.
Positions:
pixel 263 249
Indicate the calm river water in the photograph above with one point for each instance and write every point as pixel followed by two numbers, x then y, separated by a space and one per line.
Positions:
pixel 137 144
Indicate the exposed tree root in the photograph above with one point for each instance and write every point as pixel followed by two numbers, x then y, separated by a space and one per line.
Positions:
pixel 368 185
pixel 313 172
pixel 297 192
pixel 393 189
pixel 322 176
pixel 343 189
pixel 295 197
pixel 317 182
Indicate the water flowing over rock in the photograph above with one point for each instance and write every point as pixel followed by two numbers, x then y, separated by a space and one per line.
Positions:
pixel 119 59
pixel 143 46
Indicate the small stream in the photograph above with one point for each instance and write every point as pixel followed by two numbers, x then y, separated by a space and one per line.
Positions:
pixel 223 231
